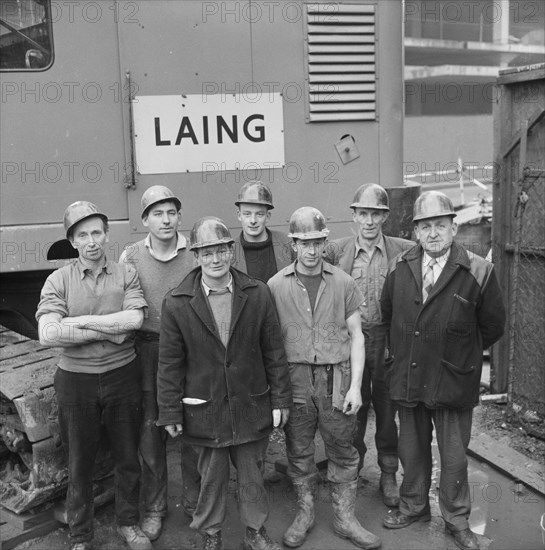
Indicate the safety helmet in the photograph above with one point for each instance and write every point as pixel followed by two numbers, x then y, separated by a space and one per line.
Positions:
pixel 307 223
pixel 209 231
pixel 255 192
pixel 371 195
pixel 79 211
pixel 155 194
pixel 432 204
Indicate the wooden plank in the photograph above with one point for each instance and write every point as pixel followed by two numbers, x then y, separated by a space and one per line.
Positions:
pixel 28 359
pixel 507 460
pixel 26 520
pixel 17 349
pixel 11 536
pixel 15 383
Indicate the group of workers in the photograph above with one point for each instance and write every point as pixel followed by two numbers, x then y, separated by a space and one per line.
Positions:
pixel 218 340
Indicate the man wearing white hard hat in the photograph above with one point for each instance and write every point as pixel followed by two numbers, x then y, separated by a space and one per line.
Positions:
pixel 162 260
pixel 443 306
pixel 91 308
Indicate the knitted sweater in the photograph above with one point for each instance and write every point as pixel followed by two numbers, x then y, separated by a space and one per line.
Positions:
pixel 157 277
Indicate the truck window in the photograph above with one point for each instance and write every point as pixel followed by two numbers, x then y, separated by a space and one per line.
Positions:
pixel 26 38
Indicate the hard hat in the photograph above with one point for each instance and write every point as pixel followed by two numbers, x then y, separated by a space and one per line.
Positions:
pixel 79 211
pixel 158 193
pixel 209 231
pixel 371 195
pixel 307 223
pixel 255 192
pixel 432 204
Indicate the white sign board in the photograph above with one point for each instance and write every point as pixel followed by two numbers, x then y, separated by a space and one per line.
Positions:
pixel 200 133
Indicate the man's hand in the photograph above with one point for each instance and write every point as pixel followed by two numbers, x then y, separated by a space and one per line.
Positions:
pixel 280 417
pixel 352 401
pixel 174 430
pixel 118 337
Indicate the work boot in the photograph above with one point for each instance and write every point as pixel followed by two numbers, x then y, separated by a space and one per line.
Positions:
pixel 212 542
pixel 345 524
pixel 151 526
pixel 259 540
pixel 134 537
pixel 389 490
pixel 296 533
pixel 87 545
pixel 465 539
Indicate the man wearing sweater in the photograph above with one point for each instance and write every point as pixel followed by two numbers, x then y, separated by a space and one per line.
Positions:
pixel 259 251
pixel 162 260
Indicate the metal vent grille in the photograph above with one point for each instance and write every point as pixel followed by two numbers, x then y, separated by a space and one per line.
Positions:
pixel 341 62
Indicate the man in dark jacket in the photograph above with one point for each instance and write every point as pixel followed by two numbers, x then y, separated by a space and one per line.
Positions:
pixel 366 257
pixel 444 306
pixel 223 381
pixel 259 251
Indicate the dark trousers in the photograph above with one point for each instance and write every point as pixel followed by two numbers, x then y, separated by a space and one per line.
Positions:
pixel 252 497
pixel 453 431
pixel 153 491
pixel 374 389
pixel 317 413
pixel 90 404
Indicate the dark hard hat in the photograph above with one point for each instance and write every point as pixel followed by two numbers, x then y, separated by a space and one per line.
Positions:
pixel 432 204
pixel 155 194
pixel 209 231
pixel 255 192
pixel 371 195
pixel 79 211
pixel 307 223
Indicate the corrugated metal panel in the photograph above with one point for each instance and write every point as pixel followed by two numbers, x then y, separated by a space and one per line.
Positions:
pixel 341 62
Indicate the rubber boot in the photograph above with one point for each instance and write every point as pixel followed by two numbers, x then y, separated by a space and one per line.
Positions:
pixel 345 524
pixel 296 533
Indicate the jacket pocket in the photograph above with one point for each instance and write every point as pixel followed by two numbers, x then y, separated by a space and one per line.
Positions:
pixel 457 387
pixel 200 420
pixel 259 412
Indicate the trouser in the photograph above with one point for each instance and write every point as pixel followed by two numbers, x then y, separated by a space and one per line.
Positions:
pixel 374 389
pixel 213 465
pixel 153 490
pixel 88 405
pixel 453 431
pixel 312 409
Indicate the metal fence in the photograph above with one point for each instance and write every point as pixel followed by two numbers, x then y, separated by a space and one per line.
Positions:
pixel 519 246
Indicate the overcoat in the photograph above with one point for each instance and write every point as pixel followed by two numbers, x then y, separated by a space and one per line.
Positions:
pixel 221 395
pixel 436 348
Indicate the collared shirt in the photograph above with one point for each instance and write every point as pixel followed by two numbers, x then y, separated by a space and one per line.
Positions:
pixel 72 291
pixel 440 263
pixel 320 337
pixel 181 243
pixel 228 286
pixel 369 272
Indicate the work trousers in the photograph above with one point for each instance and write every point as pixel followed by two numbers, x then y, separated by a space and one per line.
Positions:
pixel 317 412
pixel 374 389
pixel 213 466
pixel 89 405
pixel 453 431
pixel 153 490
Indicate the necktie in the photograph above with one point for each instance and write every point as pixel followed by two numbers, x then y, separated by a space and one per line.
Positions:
pixel 427 282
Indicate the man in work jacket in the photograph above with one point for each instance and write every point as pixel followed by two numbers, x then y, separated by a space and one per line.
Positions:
pixel 223 381
pixel 366 257
pixel 444 306
pixel 162 260
pixel 259 251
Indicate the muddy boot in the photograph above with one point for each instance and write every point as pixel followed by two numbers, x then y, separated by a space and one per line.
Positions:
pixel 304 519
pixel 345 524
pixel 259 540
